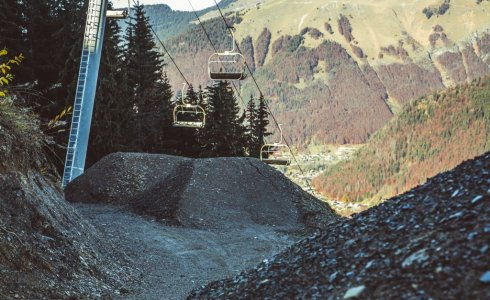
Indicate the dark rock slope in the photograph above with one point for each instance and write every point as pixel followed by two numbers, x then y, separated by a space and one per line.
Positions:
pixel 200 193
pixel 47 250
pixel 430 243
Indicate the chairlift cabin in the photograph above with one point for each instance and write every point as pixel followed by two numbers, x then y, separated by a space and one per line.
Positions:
pixel 188 115
pixel 228 65
pixel 276 153
pixel 119 13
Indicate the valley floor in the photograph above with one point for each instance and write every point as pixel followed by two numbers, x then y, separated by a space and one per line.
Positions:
pixel 169 262
pixel 313 164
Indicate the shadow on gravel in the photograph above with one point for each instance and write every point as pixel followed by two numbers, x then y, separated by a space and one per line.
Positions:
pixel 162 200
pixel 213 193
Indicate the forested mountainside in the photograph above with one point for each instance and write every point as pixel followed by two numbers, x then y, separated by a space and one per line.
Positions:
pixel 168 23
pixel 336 72
pixel 431 135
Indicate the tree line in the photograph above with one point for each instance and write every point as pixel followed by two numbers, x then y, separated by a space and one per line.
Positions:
pixel 134 100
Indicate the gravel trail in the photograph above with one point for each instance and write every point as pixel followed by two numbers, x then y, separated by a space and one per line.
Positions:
pixel 169 262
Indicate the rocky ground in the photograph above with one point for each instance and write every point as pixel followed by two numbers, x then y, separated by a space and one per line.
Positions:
pixel 168 262
pixel 430 243
pixel 47 249
pixel 183 223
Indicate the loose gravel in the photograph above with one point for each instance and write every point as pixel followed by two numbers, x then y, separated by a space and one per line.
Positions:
pixel 430 243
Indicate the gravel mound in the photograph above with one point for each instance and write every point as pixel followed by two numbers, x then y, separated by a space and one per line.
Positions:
pixel 47 250
pixel 212 193
pixel 430 243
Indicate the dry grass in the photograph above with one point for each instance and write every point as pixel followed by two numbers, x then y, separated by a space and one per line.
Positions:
pixel 21 140
pixel 393 21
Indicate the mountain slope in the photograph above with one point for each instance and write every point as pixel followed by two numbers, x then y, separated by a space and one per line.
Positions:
pixel 169 23
pixel 47 250
pixel 310 64
pixel 431 135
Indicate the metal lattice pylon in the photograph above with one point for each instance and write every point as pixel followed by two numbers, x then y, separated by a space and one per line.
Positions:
pixel 85 92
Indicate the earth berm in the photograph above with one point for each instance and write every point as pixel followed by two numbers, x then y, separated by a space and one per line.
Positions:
pixel 186 222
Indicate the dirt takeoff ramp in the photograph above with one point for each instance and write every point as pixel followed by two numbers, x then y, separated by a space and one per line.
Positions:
pixel 214 193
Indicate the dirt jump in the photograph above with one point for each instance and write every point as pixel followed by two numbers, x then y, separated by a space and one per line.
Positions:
pixel 185 222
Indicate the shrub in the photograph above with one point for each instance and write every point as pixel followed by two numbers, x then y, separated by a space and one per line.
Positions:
pixel 6 77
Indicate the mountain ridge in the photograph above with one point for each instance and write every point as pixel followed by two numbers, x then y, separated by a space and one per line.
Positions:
pixel 412 59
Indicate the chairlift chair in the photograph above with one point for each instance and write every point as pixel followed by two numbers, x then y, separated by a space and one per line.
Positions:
pixel 276 153
pixel 188 115
pixel 228 65
pixel 119 13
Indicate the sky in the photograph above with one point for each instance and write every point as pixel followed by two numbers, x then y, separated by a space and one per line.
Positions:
pixel 174 4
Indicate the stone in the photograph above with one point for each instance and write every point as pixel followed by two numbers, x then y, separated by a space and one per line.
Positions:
pixel 455 215
pixel 419 256
pixel 354 292
pixel 369 264
pixel 485 278
pixel 476 199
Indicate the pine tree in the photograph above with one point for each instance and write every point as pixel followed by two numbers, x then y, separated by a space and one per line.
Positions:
pixel 11 26
pixel 260 128
pixel 224 135
pixel 252 138
pixel 150 90
pixel 68 39
pixel 54 36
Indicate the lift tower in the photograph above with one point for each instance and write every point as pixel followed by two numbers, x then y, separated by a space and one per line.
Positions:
pixel 86 85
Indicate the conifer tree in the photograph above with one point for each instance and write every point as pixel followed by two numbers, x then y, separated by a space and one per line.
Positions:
pixel 13 37
pixel 113 107
pixel 54 36
pixel 261 123
pixel 68 39
pixel 11 26
pixel 150 89
pixel 252 138
pixel 224 135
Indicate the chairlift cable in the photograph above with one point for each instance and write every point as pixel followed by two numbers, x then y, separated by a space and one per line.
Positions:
pixel 170 56
pixel 165 48
pixel 265 100
pixel 237 91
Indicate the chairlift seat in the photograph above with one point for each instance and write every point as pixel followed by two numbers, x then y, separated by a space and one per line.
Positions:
pixel 280 162
pixel 226 66
pixel 226 76
pixel 117 13
pixel 188 124
pixel 272 154
pixel 189 116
